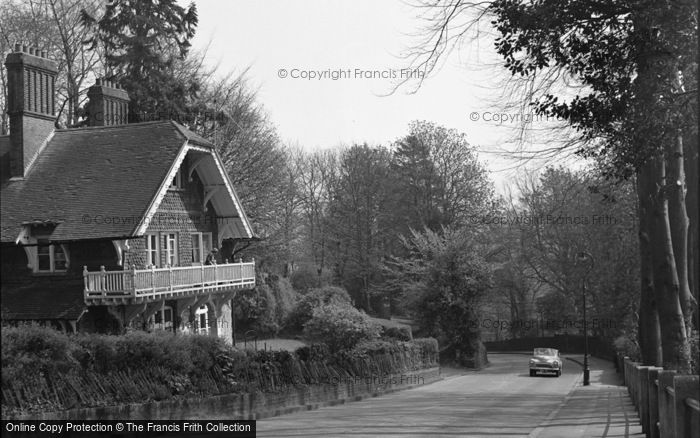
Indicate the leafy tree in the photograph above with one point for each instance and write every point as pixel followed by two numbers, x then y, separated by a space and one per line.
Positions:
pixel 141 41
pixel 438 179
pixel 445 279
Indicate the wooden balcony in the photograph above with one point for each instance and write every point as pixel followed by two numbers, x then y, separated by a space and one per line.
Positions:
pixel 133 286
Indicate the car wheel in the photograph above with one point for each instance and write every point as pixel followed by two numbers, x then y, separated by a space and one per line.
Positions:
pixel 558 373
pixel 532 373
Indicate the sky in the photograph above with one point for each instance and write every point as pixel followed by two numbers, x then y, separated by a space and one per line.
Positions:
pixel 294 48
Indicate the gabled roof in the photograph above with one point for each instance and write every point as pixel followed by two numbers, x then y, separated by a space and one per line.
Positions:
pixel 100 182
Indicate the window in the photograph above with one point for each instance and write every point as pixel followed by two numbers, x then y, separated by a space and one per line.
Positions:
pixel 170 249
pixel 162 319
pixel 197 248
pixel 50 258
pixel 201 320
pixel 177 180
pixel 43 253
pixel 152 250
pixel 201 246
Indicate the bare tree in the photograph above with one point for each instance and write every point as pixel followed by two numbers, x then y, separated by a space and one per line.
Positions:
pixel 54 26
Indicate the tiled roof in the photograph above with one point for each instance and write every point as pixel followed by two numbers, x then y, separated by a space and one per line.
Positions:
pixel 94 182
pixel 30 303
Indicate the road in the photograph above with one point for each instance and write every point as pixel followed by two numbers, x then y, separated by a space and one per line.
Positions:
pixel 501 400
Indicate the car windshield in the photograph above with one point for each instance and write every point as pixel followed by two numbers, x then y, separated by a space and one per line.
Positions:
pixel 545 352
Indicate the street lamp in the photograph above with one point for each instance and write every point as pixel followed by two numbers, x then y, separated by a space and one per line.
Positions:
pixel 582 256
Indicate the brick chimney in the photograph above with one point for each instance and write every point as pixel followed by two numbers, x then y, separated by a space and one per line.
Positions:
pixel 31 78
pixel 108 105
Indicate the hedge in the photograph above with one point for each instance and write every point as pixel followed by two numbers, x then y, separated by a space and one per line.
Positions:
pixel 340 326
pixel 46 370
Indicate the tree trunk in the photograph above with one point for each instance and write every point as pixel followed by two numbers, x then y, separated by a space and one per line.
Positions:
pixel 678 220
pixel 674 341
pixel 690 145
pixel 649 330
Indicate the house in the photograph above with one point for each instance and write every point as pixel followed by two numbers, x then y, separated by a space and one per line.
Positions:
pixel 108 227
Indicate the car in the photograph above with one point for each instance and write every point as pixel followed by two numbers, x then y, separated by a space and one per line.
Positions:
pixel 546 361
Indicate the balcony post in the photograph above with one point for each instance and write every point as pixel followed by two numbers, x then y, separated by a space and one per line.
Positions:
pixel 133 280
pixel 85 278
pixel 103 278
pixel 201 275
pixel 153 279
pixel 170 277
pixel 216 275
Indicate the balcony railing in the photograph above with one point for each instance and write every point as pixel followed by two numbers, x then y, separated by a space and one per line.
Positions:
pixel 133 286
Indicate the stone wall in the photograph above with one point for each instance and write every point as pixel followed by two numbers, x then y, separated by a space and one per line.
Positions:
pixel 250 406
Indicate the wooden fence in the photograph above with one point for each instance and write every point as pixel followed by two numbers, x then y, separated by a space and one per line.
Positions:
pixel 667 402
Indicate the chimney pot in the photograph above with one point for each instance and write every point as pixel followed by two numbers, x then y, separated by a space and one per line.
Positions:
pixel 30 105
pixel 107 104
pixel 43 54
pixel 18 47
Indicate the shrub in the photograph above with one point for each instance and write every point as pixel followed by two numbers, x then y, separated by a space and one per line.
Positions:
pixel 102 351
pixel 139 349
pixel 30 351
pixel 256 309
pixel 377 346
pixel 429 347
pixel 329 295
pixel 340 326
pixel 313 352
pixel 627 346
pixel 394 330
pixel 171 365
pixel 400 333
pixel 304 279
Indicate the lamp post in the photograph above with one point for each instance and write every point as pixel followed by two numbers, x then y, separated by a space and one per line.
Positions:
pixel 582 256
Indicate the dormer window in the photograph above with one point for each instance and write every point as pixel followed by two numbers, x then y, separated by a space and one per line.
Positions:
pixel 43 256
pixel 50 258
